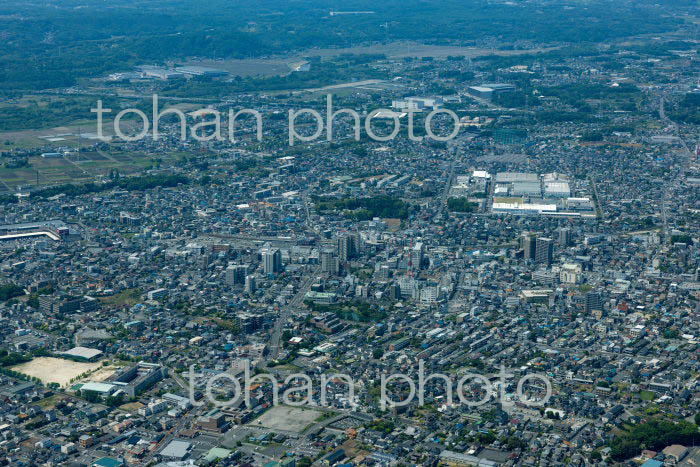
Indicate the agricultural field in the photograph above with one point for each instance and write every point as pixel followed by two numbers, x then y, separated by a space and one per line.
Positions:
pixel 78 168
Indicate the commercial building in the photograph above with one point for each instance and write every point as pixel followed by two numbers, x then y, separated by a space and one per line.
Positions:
pixel 176 449
pixel 416 104
pixel 214 422
pixel 542 296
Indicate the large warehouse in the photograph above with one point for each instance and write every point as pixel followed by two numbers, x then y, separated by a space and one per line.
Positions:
pixel 487 91
pixel 557 189
pixel 510 177
pixel 527 189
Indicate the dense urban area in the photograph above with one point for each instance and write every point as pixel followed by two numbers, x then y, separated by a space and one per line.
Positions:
pixel 510 220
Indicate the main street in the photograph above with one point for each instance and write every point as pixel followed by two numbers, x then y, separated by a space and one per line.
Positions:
pixel 285 312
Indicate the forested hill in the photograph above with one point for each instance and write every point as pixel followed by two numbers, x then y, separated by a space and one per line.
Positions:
pixel 52 44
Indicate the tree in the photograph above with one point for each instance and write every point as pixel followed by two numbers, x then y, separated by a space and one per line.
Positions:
pixel 461 205
pixel 8 291
pixel 114 401
pixel 654 434
pixel 91 396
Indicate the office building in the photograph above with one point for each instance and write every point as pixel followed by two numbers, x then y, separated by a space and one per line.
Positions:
pixel 544 248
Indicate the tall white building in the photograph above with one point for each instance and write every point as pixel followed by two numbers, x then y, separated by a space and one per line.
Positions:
pixel 417 254
pixel 429 294
pixel 272 259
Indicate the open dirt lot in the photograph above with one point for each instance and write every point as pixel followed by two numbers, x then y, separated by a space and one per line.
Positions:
pixel 294 419
pixel 55 370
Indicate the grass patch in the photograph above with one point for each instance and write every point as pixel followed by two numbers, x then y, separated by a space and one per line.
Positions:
pixel 128 297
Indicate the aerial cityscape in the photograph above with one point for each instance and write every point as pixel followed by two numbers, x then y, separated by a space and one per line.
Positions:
pixel 285 234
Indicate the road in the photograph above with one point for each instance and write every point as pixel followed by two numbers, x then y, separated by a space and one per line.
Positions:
pixel 599 203
pixel 67 159
pixel 257 241
pixel 674 180
pixel 446 190
pixel 102 95
pixel 305 198
pixel 285 312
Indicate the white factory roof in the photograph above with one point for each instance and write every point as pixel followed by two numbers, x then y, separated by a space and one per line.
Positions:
pixel 83 352
pixel 387 114
pixel 524 206
pixel 557 187
pixel 97 387
pixel 176 449
pixel 510 177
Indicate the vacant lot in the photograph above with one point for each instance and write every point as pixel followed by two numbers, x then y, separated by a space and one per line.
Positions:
pixel 283 418
pixel 55 370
